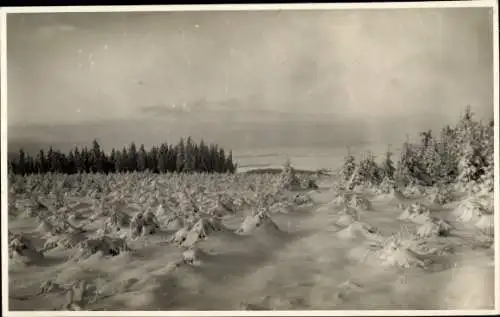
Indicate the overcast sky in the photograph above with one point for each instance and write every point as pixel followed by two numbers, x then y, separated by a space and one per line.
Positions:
pixel 75 67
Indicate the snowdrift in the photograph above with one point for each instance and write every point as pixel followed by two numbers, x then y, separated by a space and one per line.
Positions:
pixel 440 195
pixel 340 199
pixel 358 201
pixel 65 241
pixel 143 224
pixel 260 221
pixel 387 186
pixel 108 246
pixel 201 230
pixel 397 195
pixel 417 213
pixel 434 227
pixel 174 222
pixel 399 253
pixel 194 256
pixel 469 210
pixel 486 224
pixel 358 230
pixel 414 190
pixel 353 200
pixel 347 216
pixel 117 221
pixel 220 210
pixel 302 199
pixel 22 250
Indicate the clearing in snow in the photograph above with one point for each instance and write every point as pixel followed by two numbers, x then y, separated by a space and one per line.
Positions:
pixel 265 244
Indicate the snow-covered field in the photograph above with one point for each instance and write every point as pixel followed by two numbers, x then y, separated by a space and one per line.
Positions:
pixel 234 242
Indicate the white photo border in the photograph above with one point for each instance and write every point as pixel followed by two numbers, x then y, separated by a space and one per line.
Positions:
pixel 241 7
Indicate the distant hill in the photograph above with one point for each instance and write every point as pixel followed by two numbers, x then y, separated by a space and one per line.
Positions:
pixel 275 170
pixel 32 147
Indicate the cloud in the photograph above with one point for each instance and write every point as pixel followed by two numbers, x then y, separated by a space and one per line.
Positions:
pixel 165 110
pixel 48 31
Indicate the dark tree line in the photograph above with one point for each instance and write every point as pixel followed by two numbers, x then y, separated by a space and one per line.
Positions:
pixel 184 157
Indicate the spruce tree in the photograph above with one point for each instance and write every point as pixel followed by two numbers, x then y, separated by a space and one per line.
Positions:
pixel 388 168
pixel 349 166
pixel 152 159
pixel 163 158
pixel 141 159
pixel 181 156
pixel 125 165
pixel 132 157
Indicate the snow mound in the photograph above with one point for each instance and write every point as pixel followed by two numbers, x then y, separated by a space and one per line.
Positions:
pixel 193 256
pixel 347 216
pixel 202 229
pixel 22 250
pixel 174 222
pixel 260 219
pixel 309 184
pixel 398 252
pixel 250 306
pixel 417 213
pixel 385 187
pixel 414 190
pixel 469 210
pixel 402 206
pixel 486 224
pixel 160 211
pixel 29 212
pixel 339 200
pixel 117 220
pixel 77 295
pixel 302 199
pixel 434 227
pixel 359 202
pixel 240 203
pixel 281 207
pixel 180 235
pixel 143 224
pixel 47 227
pixel 397 195
pixel 25 203
pixel 441 196
pixel 107 245
pixel 76 216
pixel 50 287
pixel 220 209
pixel 357 230
pixel 66 241
pixel 56 224
pixel 42 205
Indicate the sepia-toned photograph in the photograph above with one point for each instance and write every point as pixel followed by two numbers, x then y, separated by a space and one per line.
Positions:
pixel 270 158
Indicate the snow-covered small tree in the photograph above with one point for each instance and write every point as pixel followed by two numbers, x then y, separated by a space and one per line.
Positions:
pixel 348 167
pixel 388 168
pixel 367 173
pixel 467 165
pixel 288 179
pixel 407 165
pixel 432 161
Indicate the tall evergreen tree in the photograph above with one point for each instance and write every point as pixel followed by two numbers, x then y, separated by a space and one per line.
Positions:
pixel 132 157
pixel 181 156
pixel 96 158
pixel 125 161
pixel 141 159
pixel 388 165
